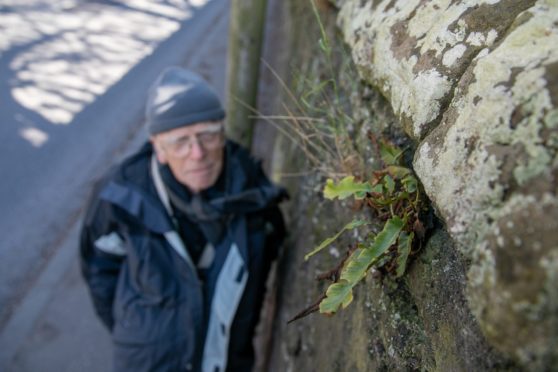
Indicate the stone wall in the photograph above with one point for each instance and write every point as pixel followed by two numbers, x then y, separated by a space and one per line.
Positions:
pixel 473 85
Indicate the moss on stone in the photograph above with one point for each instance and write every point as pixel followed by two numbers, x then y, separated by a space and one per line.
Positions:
pixel 437 283
pixel 512 285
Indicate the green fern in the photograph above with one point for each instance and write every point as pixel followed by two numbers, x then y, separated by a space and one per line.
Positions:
pixel 340 293
pixel 393 194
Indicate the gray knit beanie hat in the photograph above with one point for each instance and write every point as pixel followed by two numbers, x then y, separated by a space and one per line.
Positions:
pixel 178 98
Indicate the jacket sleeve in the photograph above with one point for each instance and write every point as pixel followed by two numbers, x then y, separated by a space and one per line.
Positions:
pixel 101 255
pixel 275 229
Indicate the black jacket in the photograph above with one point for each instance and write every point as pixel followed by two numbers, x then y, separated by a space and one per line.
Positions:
pixel 146 288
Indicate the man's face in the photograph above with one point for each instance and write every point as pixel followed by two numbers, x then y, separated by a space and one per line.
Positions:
pixel 194 153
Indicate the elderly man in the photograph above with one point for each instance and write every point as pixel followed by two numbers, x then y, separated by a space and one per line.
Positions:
pixel 179 238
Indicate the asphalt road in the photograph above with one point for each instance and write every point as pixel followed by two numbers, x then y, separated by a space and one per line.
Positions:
pixel 73 80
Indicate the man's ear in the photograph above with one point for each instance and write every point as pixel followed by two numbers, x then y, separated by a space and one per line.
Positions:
pixel 159 151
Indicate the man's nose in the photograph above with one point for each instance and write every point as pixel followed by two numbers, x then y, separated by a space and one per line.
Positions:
pixel 197 151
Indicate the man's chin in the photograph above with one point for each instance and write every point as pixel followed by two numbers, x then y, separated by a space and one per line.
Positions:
pixel 198 185
pixel 199 180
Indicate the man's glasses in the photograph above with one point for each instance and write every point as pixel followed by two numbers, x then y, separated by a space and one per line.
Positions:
pixel 210 138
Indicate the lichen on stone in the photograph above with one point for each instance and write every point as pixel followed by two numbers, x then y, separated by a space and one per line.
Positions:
pixel 504 105
pixel 395 42
pixel 490 169
pixel 453 54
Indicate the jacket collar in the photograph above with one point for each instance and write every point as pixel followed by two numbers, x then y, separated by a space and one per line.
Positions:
pixel 146 209
pixel 247 189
